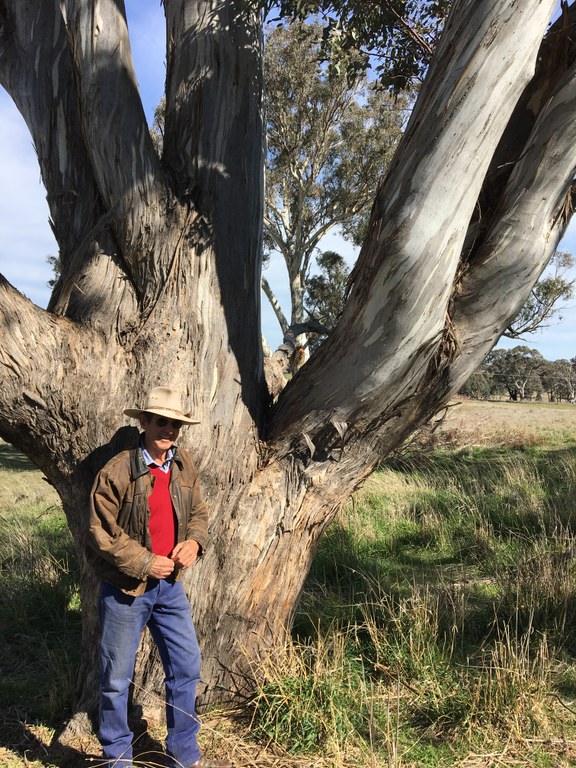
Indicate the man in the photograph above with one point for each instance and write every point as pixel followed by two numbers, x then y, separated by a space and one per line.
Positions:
pixel 148 523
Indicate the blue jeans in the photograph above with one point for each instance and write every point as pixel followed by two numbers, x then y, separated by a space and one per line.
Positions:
pixel 165 609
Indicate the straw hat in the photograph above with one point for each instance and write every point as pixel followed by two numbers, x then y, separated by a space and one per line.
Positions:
pixel 163 402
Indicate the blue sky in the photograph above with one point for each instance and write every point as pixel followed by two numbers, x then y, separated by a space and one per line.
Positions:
pixel 26 239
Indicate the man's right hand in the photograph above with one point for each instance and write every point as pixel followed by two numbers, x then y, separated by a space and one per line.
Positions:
pixel 162 567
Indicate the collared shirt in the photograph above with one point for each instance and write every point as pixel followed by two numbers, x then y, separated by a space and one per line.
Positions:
pixel 165 467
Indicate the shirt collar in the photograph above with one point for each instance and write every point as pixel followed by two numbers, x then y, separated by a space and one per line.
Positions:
pixel 165 467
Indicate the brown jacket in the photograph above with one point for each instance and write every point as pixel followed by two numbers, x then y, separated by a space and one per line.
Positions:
pixel 118 534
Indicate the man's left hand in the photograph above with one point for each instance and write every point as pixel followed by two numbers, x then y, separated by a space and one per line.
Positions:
pixel 185 553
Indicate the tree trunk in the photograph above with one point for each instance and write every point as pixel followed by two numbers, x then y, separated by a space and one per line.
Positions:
pixel 161 284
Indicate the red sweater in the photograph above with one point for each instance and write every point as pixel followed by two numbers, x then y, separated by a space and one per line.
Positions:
pixel 162 524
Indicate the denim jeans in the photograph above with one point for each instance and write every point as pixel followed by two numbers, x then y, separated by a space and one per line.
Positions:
pixel 165 609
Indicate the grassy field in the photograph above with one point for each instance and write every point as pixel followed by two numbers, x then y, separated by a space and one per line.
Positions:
pixel 437 628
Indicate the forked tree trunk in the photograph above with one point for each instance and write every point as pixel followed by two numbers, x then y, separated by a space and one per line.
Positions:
pixel 161 274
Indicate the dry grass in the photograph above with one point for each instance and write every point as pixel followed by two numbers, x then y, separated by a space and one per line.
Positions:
pixel 503 423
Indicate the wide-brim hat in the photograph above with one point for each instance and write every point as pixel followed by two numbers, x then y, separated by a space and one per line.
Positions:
pixel 163 402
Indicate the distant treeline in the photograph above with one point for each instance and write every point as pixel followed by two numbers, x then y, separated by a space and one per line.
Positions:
pixel 522 373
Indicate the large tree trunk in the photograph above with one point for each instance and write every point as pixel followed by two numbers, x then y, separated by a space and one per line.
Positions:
pixel 161 275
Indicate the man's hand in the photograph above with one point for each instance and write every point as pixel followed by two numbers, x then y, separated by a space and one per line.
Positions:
pixel 162 567
pixel 185 553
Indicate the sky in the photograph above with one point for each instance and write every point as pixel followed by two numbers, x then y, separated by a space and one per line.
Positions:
pixel 26 239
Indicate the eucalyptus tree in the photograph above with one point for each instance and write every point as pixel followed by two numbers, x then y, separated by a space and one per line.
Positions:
pixel 326 291
pixel 517 370
pixel 329 136
pixel 559 379
pixel 160 279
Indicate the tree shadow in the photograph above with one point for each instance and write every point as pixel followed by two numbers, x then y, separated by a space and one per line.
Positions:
pixel 467 577
pixel 12 459
pixel 27 742
pixel 22 740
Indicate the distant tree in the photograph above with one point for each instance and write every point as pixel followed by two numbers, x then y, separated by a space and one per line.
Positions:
pixel 324 299
pixel 157 127
pixel 516 369
pixel 559 378
pixel 477 387
pixel 330 139
pixel 542 304
pixel 549 380
pixel 54 262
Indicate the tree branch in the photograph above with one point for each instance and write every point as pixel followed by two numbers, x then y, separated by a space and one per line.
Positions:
pixel 537 207
pixel 402 283
pixel 271 296
pixel 31 395
pixel 47 97
pixel 127 170
pixel 418 39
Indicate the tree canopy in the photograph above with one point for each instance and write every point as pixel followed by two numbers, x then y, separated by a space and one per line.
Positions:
pixel 516 370
pixel 523 374
pixel 395 38
pixel 546 298
pixel 329 139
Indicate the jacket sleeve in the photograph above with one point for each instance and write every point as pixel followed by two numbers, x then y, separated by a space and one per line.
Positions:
pixel 106 537
pixel 197 528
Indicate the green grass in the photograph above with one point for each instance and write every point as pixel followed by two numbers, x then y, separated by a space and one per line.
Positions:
pixel 451 585
pixel 39 605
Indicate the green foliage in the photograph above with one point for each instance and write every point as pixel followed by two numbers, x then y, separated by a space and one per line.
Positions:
pixel 325 291
pixel 54 262
pixel 517 369
pixel 477 386
pixel 329 139
pixel 311 702
pixel 542 305
pixel 396 38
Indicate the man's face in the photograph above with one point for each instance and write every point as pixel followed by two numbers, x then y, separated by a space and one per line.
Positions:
pixel 159 433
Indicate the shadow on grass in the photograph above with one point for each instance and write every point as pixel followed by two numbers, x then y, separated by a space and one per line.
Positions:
pixel 480 536
pixel 12 459
pixel 500 478
pixel 20 739
pixel 25 743
pixel 347 583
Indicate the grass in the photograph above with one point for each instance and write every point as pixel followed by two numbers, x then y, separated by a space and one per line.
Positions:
pixel 437 627
pixel 39 605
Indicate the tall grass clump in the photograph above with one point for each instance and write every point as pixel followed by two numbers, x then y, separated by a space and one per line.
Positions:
pixel 312 696
pixel 511 684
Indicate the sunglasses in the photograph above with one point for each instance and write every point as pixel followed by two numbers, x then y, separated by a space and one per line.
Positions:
pixel 162 421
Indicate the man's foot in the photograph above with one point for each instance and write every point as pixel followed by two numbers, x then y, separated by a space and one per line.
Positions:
pixel 206 762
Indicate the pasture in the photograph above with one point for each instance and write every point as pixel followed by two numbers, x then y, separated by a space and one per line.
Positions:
pixel 437 628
